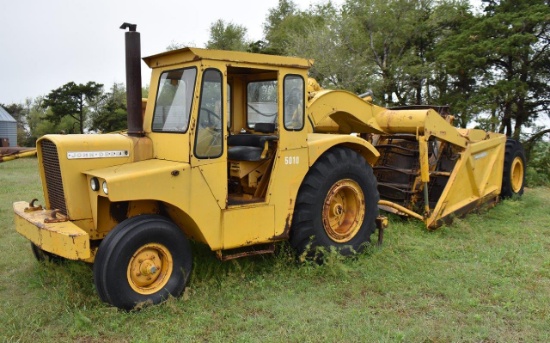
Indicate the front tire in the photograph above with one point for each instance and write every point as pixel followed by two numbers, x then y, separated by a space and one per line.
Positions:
pixel 144 259
pixel 336 207
pixel 513 178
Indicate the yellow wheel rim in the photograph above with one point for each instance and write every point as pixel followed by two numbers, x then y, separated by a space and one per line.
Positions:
pixel 343 210
pixel 516 175
pixel 150 268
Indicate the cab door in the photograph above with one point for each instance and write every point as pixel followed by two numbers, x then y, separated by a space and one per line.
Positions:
pixel 208 145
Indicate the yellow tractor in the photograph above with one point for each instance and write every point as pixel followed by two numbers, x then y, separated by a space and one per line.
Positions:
pixel 239 151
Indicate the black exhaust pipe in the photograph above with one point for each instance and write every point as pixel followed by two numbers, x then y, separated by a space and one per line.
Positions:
pixel 133 80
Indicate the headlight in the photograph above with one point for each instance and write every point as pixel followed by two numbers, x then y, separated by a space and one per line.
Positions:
pixel 105 189
pixel 94 184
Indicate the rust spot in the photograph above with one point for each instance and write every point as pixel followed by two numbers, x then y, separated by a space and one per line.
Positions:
pixel 245 251
pixel 286 233
pixel 119 211
pixel 54 219
pixel 32 207
pixel 381 224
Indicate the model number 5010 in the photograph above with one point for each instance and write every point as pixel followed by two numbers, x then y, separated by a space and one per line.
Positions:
pixel 292 159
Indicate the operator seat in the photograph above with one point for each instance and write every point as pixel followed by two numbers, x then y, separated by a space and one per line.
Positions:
pixel 251 147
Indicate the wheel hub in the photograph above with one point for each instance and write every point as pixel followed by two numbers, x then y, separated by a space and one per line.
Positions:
pixel 516 175
pixel 150 268
pixel 343 210
pixel 337 209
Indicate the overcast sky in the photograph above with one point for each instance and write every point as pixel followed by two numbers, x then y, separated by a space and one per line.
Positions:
pixel 45 44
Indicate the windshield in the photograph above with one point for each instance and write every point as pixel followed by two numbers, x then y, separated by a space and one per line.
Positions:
pixel 261 104
pixel 174 99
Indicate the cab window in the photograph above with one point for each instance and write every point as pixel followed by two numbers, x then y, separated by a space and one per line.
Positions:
pixel 208 140
pixel 174 99
pixel 261 102
pixel 293 89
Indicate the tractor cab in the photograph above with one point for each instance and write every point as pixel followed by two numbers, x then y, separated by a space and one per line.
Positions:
pixel 229 112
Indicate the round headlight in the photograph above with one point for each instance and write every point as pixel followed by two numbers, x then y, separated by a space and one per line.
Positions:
pixel 94 184
pixel 105 189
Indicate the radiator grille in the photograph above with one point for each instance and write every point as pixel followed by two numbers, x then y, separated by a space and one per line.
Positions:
pixel 52 172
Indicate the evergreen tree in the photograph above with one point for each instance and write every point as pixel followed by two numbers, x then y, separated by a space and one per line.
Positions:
pixel 72 100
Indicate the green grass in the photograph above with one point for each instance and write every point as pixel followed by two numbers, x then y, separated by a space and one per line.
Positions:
pixel 486 278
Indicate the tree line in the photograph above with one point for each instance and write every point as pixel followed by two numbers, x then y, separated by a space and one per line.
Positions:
pixel 491 67
pixel 71 108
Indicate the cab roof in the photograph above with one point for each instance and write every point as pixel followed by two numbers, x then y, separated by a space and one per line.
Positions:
pixel 193 54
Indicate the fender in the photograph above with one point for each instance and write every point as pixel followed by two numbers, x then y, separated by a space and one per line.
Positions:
pixel 338 111
pixel 319 143
pixel 180 189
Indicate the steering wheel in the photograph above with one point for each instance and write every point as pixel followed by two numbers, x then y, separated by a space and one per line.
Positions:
pixel 210 118
pixel 209 137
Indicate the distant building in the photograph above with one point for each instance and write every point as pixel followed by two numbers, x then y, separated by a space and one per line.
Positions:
pixel 8 129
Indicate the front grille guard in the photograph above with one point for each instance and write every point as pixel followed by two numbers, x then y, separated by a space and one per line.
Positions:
pixel 52 173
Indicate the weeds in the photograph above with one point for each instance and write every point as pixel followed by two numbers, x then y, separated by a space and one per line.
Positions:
pixel 486 277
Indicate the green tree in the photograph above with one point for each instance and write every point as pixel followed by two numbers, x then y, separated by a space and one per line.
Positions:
pixel 393 40
pixel 287 27
pixel 38 125
pixel 175 46
pixel 280 22
pixel 111 114
pixel 72 100
pixel 314 34
pixel 455 79
pixel 509 47
pixel 227 36
pixel 539 164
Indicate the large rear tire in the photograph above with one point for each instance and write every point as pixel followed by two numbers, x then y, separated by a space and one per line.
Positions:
pixel 513 178
pixel 336 207
pixel 144 259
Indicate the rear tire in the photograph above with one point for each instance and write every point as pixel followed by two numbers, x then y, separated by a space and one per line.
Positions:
pixel 513 178
pixel 336 207
pixel 144 259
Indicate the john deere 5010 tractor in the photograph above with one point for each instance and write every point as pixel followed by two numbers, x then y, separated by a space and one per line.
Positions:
pixel 239 151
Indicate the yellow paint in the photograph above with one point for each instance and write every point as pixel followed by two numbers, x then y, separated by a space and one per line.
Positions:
pixel 342 112
pixel 22 154
pixel 247 225
pixel 477 176
pixel 424 163
pixel 150 268
pixel 64 239
pixel 319 143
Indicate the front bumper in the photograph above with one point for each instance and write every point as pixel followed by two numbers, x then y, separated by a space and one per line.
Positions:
pixel 61 238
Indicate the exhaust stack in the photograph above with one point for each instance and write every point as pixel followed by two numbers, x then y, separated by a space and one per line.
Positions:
pixel 133 80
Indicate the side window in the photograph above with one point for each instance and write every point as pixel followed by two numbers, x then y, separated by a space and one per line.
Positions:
pixel 174 99
pixel 293 89
pixel 261 102
pixel 209 137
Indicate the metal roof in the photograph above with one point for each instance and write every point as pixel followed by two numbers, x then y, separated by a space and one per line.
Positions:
pixel 5 116
pixel 234 57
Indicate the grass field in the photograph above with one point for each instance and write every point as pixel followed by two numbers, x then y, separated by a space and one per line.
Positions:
pixel 486 278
